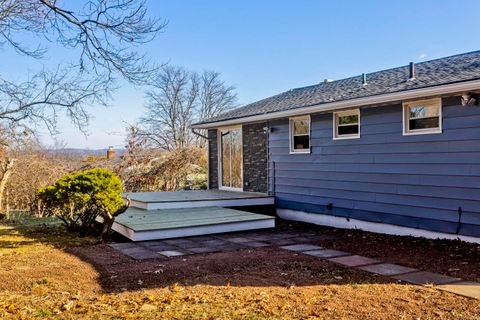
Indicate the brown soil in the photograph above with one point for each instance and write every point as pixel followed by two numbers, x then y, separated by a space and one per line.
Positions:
pixel 97 282
pixel 450 257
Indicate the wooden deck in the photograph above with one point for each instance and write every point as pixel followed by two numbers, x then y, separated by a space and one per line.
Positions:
pixel 139 225
pixel 197 198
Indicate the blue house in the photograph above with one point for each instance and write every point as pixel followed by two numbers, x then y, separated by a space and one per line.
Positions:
pixel 395 151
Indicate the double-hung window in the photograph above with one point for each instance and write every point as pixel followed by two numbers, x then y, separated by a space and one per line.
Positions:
pixel 422 117
pixel 346 124
pixel 300 134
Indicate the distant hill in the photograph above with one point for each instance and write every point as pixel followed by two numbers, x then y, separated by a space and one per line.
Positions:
pixel 86 152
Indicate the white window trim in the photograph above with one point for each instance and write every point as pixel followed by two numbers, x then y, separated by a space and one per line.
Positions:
pixel 219 157
pixel 335 124
pixel 405 116
pixel 291 132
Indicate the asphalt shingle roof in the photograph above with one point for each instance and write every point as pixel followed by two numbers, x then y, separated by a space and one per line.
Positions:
pixel 458 68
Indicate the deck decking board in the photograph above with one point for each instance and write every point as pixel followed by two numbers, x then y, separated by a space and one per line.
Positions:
pixel 197 195
pixel 182 218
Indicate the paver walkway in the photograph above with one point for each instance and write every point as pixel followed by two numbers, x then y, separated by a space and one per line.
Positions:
pixel 398 272
pixel 295 241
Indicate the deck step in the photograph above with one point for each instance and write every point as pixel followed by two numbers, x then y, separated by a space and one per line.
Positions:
pixel 141 225
pixel 196 199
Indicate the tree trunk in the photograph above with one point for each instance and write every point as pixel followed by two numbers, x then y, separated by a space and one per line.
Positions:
pixel 7 172
pixel 107 228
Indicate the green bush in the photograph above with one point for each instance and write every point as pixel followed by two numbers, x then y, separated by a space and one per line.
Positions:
pixel 79 198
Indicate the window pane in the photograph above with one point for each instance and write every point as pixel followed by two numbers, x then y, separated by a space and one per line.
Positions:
pixel 344 130
pixel 301 127
pixel 226 148
pixel 236 158
pixel 423 111
pixel 301 142
pixel 424 123
pixel 348 119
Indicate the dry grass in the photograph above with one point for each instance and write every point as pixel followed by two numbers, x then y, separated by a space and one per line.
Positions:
pixel 40 277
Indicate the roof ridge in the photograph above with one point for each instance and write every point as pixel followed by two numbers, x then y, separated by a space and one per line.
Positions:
pixel 384 70
pixel 455 68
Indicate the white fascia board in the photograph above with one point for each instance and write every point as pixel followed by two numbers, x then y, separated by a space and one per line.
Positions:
pixel 378 99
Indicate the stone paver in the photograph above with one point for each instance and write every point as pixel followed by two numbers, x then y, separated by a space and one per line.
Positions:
pixel 464 288
pixel 255 244
pixel 172 253
pixel 126 245
pixel 326 253
pixel 238 239
pixel 203 250
pixel 301 247
pixel 387 269
pixel 212 243
pixel 282 242
pixel 263 237
pixel 425 277
pixel 158 246
pixel 140 253
pixel 187 245
pixel 354 261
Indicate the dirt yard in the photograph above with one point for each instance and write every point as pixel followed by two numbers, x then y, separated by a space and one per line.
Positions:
pixel 46 273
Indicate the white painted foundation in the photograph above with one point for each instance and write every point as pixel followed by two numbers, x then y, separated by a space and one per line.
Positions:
pixel 341 222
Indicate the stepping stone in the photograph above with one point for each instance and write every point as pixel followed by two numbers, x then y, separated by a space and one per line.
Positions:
pixel 301 247
pixel 203 250
pixel 387 269
pixel 256 244
pixel 238 239
pixel 201 238
pixel 125 245
pixel 424 277
pixel 212 243
pixel 354 261
pixel 140 253
pixel 177 241
pixel 264 237
pixel 301 239
pixel 326 253
pixel 465 288
pixel 281 242
pixel 158 246
pixel 187 245
pixel 172 253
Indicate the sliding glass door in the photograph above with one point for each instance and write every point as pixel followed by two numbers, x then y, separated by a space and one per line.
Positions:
pixel 231 158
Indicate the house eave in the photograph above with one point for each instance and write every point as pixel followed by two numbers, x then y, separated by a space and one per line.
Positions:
pixel 345 104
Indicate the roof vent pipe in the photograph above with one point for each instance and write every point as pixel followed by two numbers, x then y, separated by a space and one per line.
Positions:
pixel 327 80
pixel 364 79
pixel 411 71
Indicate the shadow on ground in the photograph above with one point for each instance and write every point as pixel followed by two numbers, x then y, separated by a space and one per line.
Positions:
pixel 253 267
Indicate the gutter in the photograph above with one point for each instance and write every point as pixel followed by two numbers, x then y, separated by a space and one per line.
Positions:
pixel 345 104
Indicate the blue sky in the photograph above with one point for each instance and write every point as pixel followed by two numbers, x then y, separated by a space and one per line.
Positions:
pixel 266 47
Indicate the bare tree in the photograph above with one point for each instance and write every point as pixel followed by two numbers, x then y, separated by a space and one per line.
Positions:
pixel 171 108
pixel 103 33
pixel 178 98
pixel 101 36
pixel 215 97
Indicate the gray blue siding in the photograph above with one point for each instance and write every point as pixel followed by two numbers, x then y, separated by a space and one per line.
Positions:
pixel 417 181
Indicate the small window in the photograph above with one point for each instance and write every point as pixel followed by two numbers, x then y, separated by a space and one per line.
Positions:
pixel 346 124
pixel 300 135
pixel 422 117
